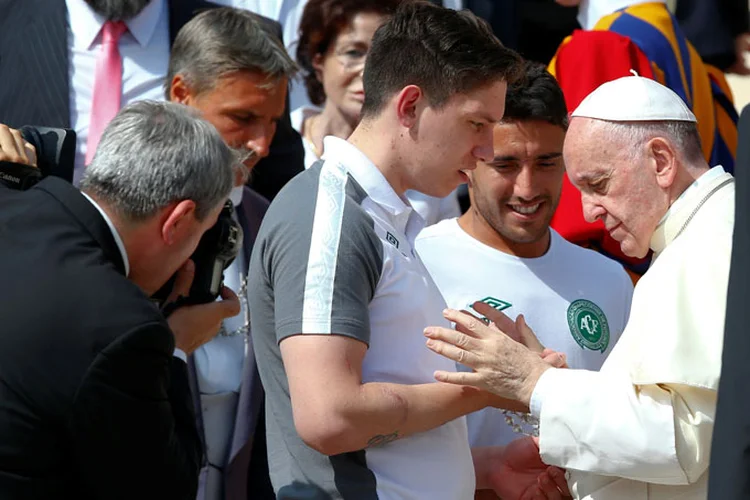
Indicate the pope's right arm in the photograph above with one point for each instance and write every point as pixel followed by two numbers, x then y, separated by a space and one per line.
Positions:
pixel 604 424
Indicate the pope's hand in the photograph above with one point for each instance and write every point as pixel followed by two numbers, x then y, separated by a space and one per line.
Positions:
pixel 520 332
pixel 501 365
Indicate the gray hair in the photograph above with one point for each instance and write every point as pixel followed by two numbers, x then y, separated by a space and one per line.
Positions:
pixel 155 153
pixel 683 135
pixel 225 40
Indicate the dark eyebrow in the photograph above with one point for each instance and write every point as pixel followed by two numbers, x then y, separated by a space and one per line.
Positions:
pixel 546 156
pixel 484 117
pixel 499 159
pixel 549 156
pixel 245 114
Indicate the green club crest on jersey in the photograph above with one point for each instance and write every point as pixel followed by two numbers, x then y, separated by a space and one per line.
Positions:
pixel 588 325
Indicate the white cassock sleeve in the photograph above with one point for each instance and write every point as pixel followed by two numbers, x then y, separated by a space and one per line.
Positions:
pixel 604 424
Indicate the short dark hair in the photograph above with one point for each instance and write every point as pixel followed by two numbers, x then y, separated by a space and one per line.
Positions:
pixel 536 96
pixel 223 40
pixel 321 23
pixel 443 51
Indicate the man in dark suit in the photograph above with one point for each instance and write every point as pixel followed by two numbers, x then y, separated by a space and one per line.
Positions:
pixel 229 64
pixel 38 71
pixel 730 453
pixel 94 397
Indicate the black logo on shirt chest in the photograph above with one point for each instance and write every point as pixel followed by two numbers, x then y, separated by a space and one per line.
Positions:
pixel 391 239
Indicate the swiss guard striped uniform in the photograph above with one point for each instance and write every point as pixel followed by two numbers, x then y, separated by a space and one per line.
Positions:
pixel 645 38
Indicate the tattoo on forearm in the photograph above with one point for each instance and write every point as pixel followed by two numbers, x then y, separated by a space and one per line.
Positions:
pixel 382 439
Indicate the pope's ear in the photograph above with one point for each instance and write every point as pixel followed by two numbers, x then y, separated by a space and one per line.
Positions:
pixel 663 157
pixel 176 221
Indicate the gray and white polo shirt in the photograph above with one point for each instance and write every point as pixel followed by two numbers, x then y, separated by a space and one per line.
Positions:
pixel 335 254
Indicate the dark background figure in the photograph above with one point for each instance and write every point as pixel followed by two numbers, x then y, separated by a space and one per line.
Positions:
pixel 534 28
pixel 730 453
pixel 719 31
pixel 543 25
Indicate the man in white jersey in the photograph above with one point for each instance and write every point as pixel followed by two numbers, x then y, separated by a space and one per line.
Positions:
pixel 503 252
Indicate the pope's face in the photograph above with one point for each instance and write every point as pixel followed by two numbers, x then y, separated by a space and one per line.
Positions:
pixel 616 186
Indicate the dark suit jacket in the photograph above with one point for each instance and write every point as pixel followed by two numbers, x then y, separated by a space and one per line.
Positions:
pixel 35 84
pixel 92 403
pixel 712 25
pixel 730 453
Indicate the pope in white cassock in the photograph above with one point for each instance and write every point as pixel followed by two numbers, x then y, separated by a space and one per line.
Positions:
pixel 641 427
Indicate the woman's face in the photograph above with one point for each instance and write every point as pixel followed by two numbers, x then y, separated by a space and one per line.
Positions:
pixel 340 68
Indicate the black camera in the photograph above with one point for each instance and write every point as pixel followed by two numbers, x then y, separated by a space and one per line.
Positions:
pixel 217 249
pixel 55 155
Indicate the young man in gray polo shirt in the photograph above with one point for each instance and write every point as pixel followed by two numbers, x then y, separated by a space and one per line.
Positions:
pixel 340 298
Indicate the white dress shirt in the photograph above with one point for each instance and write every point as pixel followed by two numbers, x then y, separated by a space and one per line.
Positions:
pixel 219 362
pixel 145 56
pixel 453 4
pixel 590 11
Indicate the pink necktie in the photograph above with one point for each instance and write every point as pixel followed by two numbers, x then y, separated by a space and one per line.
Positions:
pixel 107 85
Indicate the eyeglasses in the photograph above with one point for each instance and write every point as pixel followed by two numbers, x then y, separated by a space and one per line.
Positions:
pixel 351 59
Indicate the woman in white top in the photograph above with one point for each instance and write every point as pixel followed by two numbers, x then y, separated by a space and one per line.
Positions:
pixel 334 39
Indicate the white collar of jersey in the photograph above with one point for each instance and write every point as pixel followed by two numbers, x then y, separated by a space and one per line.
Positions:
pixel 86 24
pixel 366 174
pixel 591 11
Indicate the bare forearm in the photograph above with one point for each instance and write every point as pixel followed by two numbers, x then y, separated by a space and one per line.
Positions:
pixel 383 412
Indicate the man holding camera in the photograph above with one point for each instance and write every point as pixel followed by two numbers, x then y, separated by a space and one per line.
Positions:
pixel 94 398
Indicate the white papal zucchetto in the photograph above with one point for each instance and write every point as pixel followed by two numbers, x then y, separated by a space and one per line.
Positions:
pixel 634 99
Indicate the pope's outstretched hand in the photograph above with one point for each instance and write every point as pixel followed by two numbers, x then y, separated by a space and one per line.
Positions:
pixel 506 356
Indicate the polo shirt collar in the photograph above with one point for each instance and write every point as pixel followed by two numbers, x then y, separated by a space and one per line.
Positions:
pixel 371 179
